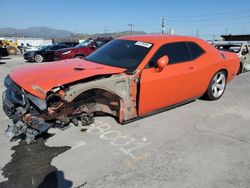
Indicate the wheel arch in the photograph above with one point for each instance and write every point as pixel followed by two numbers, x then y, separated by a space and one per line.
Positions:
pixel 100 100
pixel 79 54
pixel 240 68
pixel 225 70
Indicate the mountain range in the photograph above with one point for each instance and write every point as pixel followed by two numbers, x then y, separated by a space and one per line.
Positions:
pixel 46 32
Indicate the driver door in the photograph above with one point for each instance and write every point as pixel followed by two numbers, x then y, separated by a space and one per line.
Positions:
pixel 174 84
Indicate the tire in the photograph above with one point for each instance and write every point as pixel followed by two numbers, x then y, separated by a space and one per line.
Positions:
pixel 79 57
pixel 11 50
pixel 38 58
pixel 216 86
pixel 240 69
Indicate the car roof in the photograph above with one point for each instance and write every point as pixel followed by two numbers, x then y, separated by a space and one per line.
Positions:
pixel 159 38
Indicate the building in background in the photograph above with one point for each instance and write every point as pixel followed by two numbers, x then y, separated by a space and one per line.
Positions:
pixel 236 37
pixel 171 31
pixel 28 41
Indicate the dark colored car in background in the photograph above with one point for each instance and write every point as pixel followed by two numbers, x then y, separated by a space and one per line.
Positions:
pixel 3 52
pixel 81 50
pixel 44 54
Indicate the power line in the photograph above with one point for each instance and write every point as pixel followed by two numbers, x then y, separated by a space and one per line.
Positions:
pixel 190 21
pixel 212 15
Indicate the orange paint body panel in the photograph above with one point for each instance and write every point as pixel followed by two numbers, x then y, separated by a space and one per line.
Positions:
pixel 183 81
pixel 51 75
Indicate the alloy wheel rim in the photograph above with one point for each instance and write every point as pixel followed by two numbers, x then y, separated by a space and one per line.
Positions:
pixel 38 58
pixel 218 84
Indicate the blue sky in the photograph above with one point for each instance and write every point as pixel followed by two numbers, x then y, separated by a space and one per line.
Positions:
pixel 209 17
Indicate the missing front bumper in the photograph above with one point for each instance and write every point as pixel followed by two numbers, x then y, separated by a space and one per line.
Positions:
pixel 17 107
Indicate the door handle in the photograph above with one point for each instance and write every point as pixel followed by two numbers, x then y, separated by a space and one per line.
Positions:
pixel 190 68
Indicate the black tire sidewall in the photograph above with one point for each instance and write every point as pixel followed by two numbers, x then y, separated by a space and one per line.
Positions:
pixel 79 57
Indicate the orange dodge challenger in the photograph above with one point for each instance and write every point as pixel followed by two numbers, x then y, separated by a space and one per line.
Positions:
pixel 128 78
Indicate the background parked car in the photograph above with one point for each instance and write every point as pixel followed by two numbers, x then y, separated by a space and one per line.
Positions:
pixel 242 50
pixel 44 54
pixel 81 50
pixel 31 48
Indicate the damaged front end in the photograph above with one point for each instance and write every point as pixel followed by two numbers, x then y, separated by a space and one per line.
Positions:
pixel 75 103
pixel 24 109
pixel 32 116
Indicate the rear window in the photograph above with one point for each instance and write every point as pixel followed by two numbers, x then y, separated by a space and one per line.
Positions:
pixel 195 50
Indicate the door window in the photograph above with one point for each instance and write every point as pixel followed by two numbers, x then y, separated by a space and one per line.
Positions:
pixel 177 52
pixel 195 50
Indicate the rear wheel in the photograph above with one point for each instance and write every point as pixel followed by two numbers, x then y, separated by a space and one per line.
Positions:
pixel 38 58
pixel 217 86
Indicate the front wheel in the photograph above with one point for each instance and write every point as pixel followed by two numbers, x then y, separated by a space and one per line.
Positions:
pixel 79 57
pixel 38 58
pixel 217 86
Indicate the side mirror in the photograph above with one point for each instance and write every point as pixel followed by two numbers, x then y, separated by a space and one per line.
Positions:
pixel 162 62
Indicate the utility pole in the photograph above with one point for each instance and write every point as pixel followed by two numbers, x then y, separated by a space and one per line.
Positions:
pixel 162 25
pixel 197 33
pixel 105 31
pixel 213 39
pixel 131 28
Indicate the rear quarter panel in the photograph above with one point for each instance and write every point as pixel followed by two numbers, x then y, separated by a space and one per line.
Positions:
pixel 231 64
pixel 213 61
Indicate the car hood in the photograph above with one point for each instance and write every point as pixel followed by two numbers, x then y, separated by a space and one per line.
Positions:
pixel 38 79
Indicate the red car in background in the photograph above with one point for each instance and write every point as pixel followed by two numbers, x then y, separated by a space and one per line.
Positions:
pixel 81 50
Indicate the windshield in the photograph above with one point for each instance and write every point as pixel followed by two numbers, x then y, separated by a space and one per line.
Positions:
pixel 45 47
pixel 125 54
pixel 231 48
pixel 84 43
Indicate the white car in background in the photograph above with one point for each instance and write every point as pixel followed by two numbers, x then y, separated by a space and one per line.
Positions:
pixel 241 48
